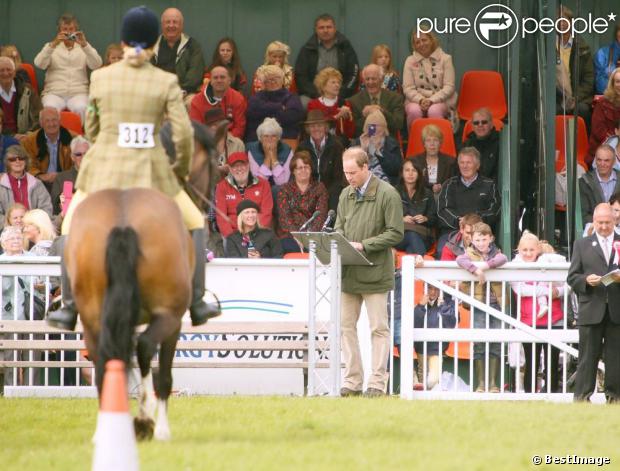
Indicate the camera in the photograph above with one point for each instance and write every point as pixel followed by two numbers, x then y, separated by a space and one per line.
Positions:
pixel 72 36
pixel 372 130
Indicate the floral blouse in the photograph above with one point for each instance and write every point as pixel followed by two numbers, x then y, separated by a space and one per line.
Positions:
pixel 295 207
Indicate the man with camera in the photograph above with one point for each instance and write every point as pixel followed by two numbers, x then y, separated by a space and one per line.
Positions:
pixel 66 60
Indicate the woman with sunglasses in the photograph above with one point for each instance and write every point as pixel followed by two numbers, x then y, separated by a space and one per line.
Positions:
pixel 18 186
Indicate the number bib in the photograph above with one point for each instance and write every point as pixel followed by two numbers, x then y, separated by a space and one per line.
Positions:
pixel 136 135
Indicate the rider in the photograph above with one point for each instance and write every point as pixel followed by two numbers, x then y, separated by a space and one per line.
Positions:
pixel 127 104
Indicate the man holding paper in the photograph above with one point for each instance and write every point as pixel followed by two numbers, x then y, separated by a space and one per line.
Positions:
pixel 599 305
pixel 370 216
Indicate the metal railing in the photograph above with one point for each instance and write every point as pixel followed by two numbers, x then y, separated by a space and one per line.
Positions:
pixel 475 356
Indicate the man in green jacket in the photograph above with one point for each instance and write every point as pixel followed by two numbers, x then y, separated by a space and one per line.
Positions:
pixel 178 53
pixel 370 216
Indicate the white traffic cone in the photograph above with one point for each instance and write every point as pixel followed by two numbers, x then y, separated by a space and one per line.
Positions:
pixel 115 440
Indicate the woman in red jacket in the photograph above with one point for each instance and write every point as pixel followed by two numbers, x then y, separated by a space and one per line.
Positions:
pixel 606 114
pixel 328 82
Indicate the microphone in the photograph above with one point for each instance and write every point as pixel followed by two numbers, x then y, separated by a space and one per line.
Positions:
pixel 305 225
pixel 331 216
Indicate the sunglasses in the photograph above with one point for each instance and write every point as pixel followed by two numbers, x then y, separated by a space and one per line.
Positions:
pixel 480 123
pixel 15 159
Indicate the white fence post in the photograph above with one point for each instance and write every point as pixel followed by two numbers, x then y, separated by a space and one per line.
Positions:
pixel 406 328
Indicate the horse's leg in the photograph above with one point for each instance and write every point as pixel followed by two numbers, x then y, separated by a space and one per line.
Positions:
pixel 158 332
pixel 164 385
pixel 91 345
pixel 144 423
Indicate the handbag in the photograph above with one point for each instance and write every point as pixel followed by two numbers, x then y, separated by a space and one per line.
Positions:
pixel 419 228
pixel 38 305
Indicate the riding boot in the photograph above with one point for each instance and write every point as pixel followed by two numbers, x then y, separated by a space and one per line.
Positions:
pixel 479 375
pixel 493 374
pixel 199 311
pixel 64 317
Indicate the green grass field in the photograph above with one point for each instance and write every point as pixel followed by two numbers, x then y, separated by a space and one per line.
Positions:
pixel 271 433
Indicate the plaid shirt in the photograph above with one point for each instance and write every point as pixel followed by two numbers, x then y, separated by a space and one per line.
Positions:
pixel 121 93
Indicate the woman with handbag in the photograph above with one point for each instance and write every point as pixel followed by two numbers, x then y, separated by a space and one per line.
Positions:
pixel 419 209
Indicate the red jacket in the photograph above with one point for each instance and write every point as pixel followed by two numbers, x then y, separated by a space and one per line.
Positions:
pixel 344 127
pixel 233 103
pixel 604 119
pixel 227 197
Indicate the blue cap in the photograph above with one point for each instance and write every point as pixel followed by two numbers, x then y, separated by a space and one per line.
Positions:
pixel 140 27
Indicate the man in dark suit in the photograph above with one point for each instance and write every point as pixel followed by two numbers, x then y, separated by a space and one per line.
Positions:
pixel 373 97
pixel 599 306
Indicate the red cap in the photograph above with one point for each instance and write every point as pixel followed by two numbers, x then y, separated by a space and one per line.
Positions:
pixel 237 157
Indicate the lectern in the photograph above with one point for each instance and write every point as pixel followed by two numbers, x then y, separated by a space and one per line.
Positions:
pixel 334 250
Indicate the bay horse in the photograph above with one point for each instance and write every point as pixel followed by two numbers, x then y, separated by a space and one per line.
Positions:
pixel 130 260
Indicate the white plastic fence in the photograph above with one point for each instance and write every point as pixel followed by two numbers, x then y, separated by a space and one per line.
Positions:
pixel 38 276
pixel 513 278
pixel 23 280
pixel 256 292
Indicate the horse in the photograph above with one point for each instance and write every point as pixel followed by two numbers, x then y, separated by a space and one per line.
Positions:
pixel 126 269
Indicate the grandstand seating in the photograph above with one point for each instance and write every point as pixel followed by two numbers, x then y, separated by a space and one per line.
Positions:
pixel 29 68
pixel 482 88
pixel 415 145
pixel 561 127
pixel 297 256
pixel 464 322
pixel 71 121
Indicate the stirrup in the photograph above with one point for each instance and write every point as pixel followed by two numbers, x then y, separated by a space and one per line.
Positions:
pixel 202 311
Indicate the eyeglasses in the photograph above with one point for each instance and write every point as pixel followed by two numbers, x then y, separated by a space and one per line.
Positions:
pixel 15 159
pixel 480 123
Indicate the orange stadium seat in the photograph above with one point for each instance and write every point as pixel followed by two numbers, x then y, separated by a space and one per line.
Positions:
pixel 297 256
pixel 469 127
pixel 419 284
pixel 32 75
pixel 482 88
pixel 464 323
pixel 415 146
pixel 71 121
pixel 561 127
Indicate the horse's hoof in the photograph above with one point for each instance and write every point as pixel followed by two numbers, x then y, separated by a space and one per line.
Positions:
pixel 162 434
pixel 144 427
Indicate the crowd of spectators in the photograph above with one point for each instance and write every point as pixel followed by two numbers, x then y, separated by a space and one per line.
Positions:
pixel 321 102
pixel 280 136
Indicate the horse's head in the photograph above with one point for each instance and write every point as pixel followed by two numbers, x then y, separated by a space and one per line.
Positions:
pixel 203 174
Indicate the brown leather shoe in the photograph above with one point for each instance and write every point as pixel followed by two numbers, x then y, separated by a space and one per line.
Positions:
pixel 346 392
pixel 374 392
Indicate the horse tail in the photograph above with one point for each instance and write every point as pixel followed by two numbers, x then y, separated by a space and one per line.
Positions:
pixel 121 303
